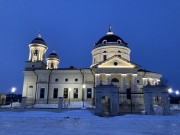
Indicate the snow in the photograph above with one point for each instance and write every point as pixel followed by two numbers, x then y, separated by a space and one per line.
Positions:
pixel 71 105
pixel 14 105
pixel 83 122
pixel 175 107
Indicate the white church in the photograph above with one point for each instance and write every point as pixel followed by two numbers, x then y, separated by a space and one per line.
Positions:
pixel 45 81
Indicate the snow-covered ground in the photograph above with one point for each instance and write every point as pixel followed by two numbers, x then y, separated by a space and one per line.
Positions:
pixel 14 105
pixel 83 122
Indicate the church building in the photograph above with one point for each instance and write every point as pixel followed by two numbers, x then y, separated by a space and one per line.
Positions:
pixel 45 80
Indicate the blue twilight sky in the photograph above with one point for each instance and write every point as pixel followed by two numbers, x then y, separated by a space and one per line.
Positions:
pixel 71 27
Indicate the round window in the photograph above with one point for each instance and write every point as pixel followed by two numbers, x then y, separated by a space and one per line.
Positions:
pixel 66 79
pixel 119 41
pixel 115 63
pixel 104 41
pixel 76 79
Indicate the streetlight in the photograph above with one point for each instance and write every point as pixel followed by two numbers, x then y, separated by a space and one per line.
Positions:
pixel 84 86
pixel 69 96
pixel 13 89
pixel 170 90
pixel 177 92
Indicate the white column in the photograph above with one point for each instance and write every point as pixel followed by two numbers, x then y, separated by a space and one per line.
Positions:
pixel 40 55
pixel 123 88
pixel 123 82
pixel 97 81
pixel 134 82
pixel 30 53
pixel 158 81
pixel 108 81
pixel 144 81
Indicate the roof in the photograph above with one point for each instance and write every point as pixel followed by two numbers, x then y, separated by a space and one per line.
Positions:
pixel 53 55
pixel 110 40
pixel 147 71
pixel 38 40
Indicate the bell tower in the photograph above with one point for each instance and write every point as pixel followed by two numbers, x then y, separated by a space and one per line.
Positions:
pixel 37 54
pixel 53 61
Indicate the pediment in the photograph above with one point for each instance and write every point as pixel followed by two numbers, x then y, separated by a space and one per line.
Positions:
pixel 116 62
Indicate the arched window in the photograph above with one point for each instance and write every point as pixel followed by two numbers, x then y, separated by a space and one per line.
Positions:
pixel 115 80
pixel 52 65
pixel 35 52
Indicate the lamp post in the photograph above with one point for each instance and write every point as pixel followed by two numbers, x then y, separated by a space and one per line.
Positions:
pixel 177 94
pixel 170 90
pixel 69 96
pixel 13 89
pixel 84 86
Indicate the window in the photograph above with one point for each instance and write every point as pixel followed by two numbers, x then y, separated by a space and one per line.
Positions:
pixel 129 93
pixel 137 81
pixel 66 79
pixel 89 93
pixel 30 86
pixel 104 57
pixel 56 80
pixel 42 92
pixel 52 65
pixel 75 92
pixel 32 65
pixel 76 79
pixel 104 41
pixel 104 52
pixel 55 94
pixel 114 80
pixel 115 63
pixel 119 51
pixel 119 41
pixel 65 92
pixel 119 55
pixel 36 52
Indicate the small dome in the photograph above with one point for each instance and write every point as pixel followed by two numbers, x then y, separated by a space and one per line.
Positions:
pixel 38 40
pixel 53 55
pixel 110 39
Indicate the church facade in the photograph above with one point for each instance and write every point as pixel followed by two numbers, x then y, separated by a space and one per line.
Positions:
pixel 45 81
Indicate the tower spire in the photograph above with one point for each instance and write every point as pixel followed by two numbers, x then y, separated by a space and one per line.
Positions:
pixel 110 30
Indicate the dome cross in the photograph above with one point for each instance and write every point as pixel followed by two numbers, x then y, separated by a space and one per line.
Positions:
pixel 110 30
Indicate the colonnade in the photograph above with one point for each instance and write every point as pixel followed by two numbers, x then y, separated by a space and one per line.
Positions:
pixel 122 80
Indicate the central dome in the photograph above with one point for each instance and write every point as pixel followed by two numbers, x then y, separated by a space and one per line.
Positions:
pixel 110 40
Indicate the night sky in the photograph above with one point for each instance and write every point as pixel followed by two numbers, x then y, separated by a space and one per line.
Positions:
pixel 71 27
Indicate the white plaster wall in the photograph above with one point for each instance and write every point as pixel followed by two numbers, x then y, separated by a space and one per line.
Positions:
pixel 61 75
pixel 29 80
